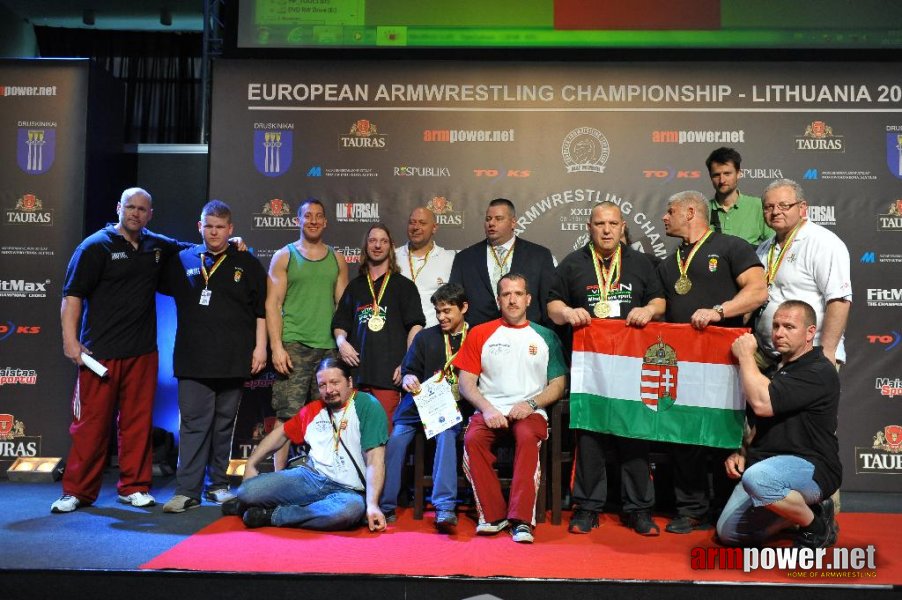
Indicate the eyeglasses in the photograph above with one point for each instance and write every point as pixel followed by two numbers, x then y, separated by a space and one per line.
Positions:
pixel 783 206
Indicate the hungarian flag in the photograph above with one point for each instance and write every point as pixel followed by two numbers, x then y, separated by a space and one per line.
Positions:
pixel 667 382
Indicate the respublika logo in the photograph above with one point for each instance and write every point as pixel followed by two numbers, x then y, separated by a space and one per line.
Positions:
pixel 273 145
pixel 422 172
pixel 762 173
pixel 819 137
pixel 357 212
pixel 585 149
pixel 36 146
pixel 884 456
pixel 894 149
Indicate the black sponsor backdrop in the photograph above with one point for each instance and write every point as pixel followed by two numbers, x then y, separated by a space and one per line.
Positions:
pixel 848 186
pixel 42 223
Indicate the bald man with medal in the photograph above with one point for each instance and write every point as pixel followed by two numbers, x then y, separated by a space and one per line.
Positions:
pixel 608 280
pixel 710 279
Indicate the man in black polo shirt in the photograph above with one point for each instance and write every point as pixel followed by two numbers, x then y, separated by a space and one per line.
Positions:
pixel 609 280
pixel 710 279
pixel 376 320
pixel 110 292
pixel 220 296
pixel 792 465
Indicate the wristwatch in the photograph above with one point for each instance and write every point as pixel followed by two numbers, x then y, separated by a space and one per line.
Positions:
pixel 718 308
pixel 532 404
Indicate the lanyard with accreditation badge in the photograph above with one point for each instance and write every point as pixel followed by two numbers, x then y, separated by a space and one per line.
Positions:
pixel 206 293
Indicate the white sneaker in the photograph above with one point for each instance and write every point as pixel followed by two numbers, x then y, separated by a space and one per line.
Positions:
pixel 139 499
pixel 522 534
pixel 66 503
pixel 219 495
pixel 491 528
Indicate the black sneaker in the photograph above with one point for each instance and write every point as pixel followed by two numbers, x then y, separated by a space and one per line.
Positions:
pixel 583 521
pixel 233 508
pixel 822 533
pixel 445 520
pixel 641 522
pixel 685 524
pixel 257 516
pixel 390 516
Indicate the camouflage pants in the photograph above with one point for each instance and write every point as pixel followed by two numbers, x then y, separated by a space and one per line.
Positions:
pixel 290 393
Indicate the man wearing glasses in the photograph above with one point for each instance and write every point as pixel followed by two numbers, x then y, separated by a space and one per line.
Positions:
pixel 807 262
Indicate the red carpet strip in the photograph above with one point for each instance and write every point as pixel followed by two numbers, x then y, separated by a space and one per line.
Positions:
pixel 610 552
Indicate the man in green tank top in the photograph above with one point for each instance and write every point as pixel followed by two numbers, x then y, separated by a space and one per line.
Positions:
pixel 306 279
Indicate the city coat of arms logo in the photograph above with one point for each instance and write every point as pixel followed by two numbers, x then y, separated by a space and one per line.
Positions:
pixel 35 149
pixel 273 151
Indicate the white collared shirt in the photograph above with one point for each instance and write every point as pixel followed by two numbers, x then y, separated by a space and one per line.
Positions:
pixel 433 271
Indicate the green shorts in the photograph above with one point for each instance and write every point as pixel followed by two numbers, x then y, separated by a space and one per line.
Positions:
pixel 290 393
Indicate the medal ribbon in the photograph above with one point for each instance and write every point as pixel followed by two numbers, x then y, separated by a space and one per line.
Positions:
pixel 377 300
pixel 415 274
pixel 203 267
pixel 507 256
pixel 342 423
pixel 447 370
pixel 607 279
pixel 774 266
pixel 683 265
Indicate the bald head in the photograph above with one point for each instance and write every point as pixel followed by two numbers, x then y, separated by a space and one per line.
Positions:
pixel 421 228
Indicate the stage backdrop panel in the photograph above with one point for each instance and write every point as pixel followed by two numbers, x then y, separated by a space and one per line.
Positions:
pixel 43 117
pixel 372 140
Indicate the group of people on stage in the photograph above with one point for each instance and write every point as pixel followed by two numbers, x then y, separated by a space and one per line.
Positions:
pixel 353 351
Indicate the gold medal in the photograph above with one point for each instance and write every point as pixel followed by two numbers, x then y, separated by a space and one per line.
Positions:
pixel 376 323
pixel 602 310
pixel 682 285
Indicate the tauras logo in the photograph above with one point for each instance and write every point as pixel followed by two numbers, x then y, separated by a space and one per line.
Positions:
pixel 884 457
pixel 819 137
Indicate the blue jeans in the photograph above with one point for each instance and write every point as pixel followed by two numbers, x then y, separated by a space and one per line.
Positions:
pixel 444 467
pixel 745 520
pixel 304 498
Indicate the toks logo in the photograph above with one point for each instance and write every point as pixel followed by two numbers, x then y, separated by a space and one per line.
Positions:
pixel 9 328
pixel 502 172
pixel 890 340
pixel 669 174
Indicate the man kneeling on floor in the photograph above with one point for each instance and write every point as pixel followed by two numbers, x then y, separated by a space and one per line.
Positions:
pixel 346 431
pixel 791 467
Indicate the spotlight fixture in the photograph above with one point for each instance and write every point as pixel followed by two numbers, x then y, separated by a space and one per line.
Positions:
pixel 165 17
pixel 87 16
pixel 36 468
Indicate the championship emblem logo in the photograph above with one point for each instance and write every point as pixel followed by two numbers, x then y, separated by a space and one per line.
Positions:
pixel 585 149
pixel 712 264
pixel 888 440
pixel 658 386
pixel 273 151
pixel 894 153
pixel 35 149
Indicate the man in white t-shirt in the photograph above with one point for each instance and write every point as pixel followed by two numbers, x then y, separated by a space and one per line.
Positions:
pixel 510 370
pixel 423 261
pixel 806 262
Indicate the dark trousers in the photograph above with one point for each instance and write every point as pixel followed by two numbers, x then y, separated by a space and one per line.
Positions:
pixel 590 482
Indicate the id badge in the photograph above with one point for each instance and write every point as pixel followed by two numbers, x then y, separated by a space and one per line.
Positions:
pixel 205 295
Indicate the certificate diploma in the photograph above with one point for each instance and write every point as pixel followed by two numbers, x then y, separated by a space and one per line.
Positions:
pixel 437 407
